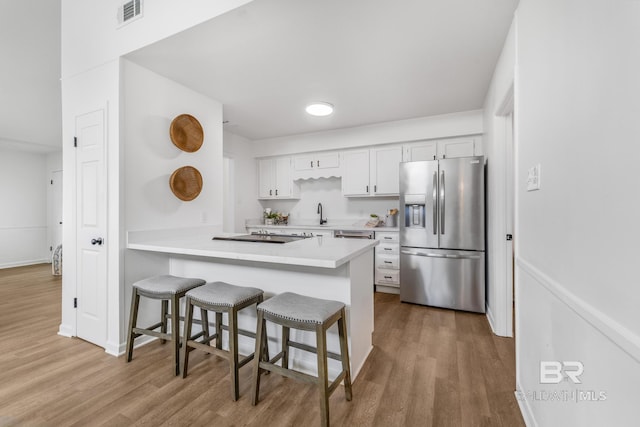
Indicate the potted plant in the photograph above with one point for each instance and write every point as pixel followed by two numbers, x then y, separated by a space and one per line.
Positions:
pixel 270 217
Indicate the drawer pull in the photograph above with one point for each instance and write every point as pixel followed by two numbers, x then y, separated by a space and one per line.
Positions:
pixel 388 262
pixel 388 249
pixel 388 277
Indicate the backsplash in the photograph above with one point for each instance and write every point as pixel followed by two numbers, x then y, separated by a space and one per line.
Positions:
pixel 335 206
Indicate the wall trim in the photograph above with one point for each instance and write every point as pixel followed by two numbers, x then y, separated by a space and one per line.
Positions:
pixel 490 317
pixel 24 263
pixel 24 227
pixel 620 335
pixel 525 408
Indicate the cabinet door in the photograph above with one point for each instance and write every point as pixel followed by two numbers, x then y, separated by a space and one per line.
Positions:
pixel 283 179
pixel 385 164
pixel 459 147
pixel 303 163
pixel 327 160
pixel 427 150
pixel 266 174
pixel 355 175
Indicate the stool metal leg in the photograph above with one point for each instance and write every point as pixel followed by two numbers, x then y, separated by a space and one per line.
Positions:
pixel 344 353
pixel 163 318
pixel 285 347
pixel 133 318
pixel 188 321
pixel 323 386
pixel 175 332
pixel 261 343
pixel 233 353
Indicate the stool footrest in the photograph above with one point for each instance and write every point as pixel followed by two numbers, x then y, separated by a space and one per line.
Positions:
pixel 311 349
pixel 142 331
pixel 289 373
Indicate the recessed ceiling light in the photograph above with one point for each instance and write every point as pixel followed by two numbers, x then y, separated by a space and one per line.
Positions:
pixel 319 109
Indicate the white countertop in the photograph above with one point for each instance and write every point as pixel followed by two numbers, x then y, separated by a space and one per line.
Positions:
pixel 324 252
pixel 333 227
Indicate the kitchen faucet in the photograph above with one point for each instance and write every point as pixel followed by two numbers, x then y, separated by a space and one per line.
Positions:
pixel 322 221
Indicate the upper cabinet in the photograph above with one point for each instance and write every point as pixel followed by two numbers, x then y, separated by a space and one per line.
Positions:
pixel 314 161
pixel 442 149
pixel 316 165
pixel 275 179
pixel 371 172
pixel 355 173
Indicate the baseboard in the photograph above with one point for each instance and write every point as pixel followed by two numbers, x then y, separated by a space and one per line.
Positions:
pixel 620 335
pixel 66 331
pixel 490 318
pixel 25 263
pixel 388 289
pixel 525 409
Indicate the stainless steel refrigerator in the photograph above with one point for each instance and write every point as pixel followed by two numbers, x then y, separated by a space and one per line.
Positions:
pixel 442 239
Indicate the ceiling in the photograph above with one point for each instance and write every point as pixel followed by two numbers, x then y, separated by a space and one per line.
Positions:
pixel 374 60
pixel 30 98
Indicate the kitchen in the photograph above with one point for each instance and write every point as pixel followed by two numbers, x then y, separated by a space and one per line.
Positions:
pixel 556 319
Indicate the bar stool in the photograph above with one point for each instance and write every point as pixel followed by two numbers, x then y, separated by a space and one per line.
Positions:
pixel 220 297
pixel 166 288
pixel 310 314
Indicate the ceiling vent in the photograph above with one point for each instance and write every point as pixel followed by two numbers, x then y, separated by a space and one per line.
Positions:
pixel 129 11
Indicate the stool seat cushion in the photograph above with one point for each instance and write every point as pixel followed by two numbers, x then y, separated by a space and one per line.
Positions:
pixel 167 285
pixel 300 308
pixel 223 294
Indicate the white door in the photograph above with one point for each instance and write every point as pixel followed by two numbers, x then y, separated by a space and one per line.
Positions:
pixel 91 217
pixel 266 178
pixel 509 214
pixel 283 179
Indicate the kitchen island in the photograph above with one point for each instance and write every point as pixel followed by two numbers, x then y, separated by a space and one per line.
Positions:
pixel 321 267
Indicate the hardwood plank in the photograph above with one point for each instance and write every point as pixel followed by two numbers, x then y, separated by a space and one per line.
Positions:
pixel 429 367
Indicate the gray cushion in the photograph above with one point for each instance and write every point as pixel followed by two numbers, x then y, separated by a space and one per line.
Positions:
pixel 165 286
pixel 223 294
pixel 300 308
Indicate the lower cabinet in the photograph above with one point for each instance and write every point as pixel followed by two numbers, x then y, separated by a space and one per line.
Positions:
pixel 387 262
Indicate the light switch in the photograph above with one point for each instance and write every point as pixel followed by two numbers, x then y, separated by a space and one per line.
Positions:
pixel 533 178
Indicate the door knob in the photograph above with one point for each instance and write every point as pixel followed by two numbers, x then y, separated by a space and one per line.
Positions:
pixel 97 241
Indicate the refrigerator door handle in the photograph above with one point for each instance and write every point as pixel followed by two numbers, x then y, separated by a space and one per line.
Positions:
pixel 435 202
pixel 405 252
pixel 441 202
pixel 464 256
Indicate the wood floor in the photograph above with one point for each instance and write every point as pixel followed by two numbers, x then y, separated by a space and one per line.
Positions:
pixel 429 367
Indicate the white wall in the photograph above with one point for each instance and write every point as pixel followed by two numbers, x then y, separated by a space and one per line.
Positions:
pixel 91 37
pixel 577 287
pixel 151 102
pixel 448 125
pixel 23 216
pixel 499 295
pixel 243 180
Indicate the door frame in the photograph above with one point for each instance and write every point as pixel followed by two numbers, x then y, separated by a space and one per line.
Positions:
pixel 505 134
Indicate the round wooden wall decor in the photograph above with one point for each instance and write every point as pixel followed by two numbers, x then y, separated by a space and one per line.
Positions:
pixel 186 133
pixel 186 183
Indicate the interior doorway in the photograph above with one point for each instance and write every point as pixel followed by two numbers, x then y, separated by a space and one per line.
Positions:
pixel 505 132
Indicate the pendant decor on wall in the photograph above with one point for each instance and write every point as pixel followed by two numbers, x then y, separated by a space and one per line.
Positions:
pixel 186 133
pixel 186 183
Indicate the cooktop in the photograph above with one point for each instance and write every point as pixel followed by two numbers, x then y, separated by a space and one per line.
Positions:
pixel 261 238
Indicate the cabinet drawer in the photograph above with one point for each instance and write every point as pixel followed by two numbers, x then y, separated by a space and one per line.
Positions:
pixel 387 276
pixel 387 248
pixel 391 262
pixel 387 236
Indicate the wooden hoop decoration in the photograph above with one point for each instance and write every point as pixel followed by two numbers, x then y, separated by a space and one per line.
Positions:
pixel 186 133
pixel 186 183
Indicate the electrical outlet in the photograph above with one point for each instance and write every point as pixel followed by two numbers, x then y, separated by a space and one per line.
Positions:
pixel 533 178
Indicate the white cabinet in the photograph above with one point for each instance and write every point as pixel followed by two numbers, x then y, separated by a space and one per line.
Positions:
pixel 442 149
pixel 385 168
pixel 275 179
pixel 355 173
pixel 387 262
pixel 371 172
pixel 312 161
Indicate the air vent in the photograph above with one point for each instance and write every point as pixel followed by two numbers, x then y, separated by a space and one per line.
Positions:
pixel 129 11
